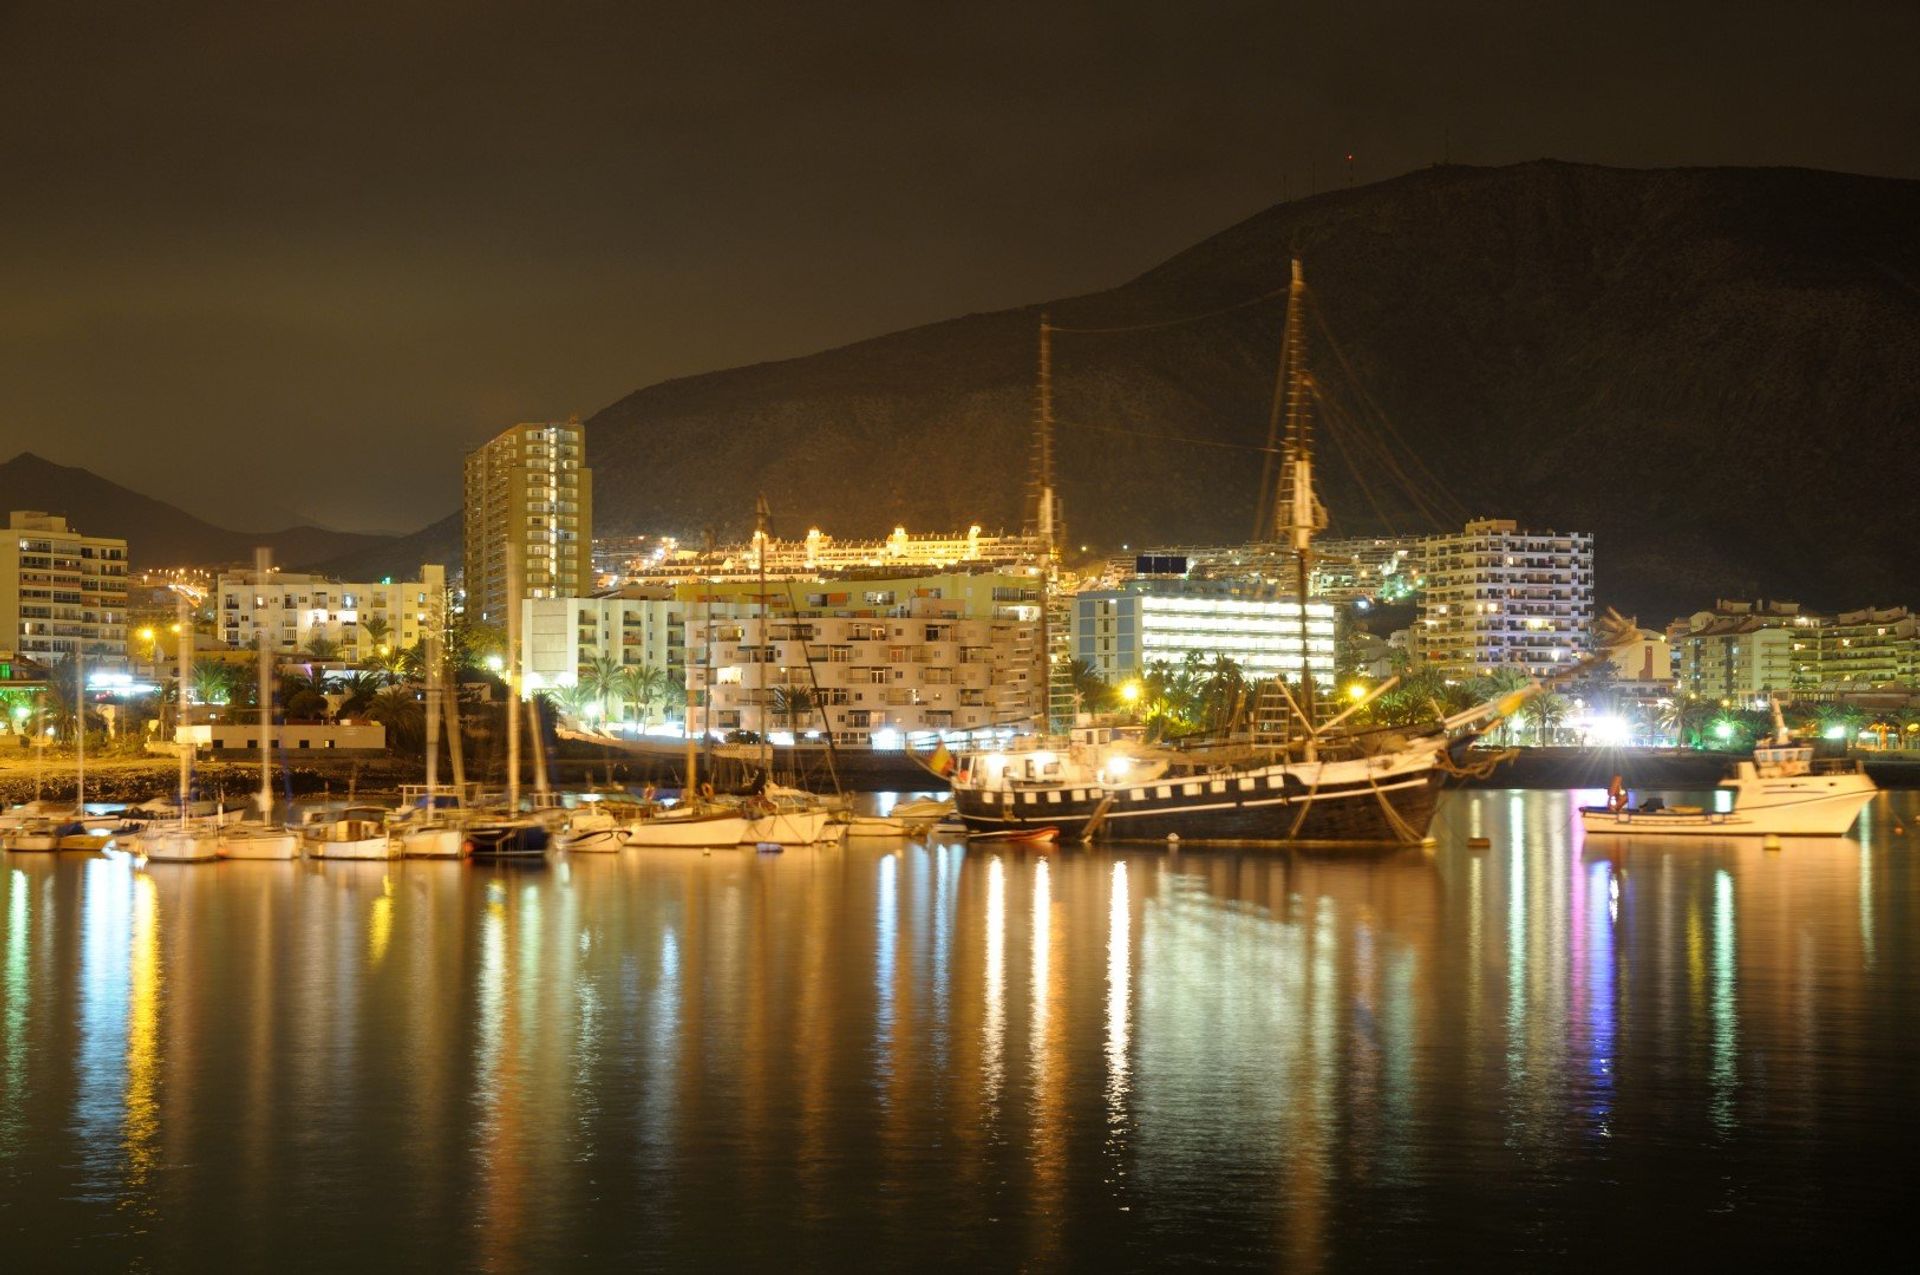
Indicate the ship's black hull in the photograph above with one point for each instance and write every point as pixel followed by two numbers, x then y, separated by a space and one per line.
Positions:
pixel 1386 812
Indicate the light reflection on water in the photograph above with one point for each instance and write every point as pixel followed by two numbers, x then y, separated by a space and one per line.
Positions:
pixel 972 1055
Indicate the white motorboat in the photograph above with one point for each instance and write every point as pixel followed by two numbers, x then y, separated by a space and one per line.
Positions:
pixel 38 836
pixel 31 812
pixel 253 839
pixel 1782 792
pixel 590 829
pixel 685 828
pixel 360 832
pixel 181 841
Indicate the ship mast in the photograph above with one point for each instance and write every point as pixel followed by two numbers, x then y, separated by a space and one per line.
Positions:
pixel 1298 513
pixel 1046 528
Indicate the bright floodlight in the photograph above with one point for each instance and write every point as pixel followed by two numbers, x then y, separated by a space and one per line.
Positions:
pixel 1611 731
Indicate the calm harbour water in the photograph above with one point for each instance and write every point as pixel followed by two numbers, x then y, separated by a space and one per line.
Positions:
pixel 959 1056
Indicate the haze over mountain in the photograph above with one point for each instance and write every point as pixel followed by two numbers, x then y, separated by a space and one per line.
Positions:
pixel 1712 369
pixel 157 533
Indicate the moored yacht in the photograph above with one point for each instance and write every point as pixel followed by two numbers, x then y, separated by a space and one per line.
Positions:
pixel 1784 791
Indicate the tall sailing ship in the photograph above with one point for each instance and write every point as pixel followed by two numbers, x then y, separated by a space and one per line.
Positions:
pixel 1290 778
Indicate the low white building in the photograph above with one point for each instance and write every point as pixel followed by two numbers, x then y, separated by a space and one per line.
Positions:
pixel 288 737
pixel 869 673
pixel 292 609
pixel 634 628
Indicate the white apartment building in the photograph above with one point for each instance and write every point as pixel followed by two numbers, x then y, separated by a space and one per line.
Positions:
pixel 871 661
pixel 634 629
pixel 292 609
pixel 61 591
pixel 1120 632
pixel 1500 598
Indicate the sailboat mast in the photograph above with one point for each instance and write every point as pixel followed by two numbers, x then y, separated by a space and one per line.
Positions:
pixel 435 617
pixel 262 564
pixel 760 520
pixel 1298 514
pixel 184 748
pixel 1046 527
pixel 513 679
pixel 80 719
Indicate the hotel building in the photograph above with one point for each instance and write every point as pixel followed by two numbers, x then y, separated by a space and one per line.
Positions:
pixel 634 628
pixel 61 591
pixel 1120 632
pixel 529 507
pixel 293 609
pixel 1497 597
pixel 873 661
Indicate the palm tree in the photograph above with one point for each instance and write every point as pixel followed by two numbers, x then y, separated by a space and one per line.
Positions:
pixel 1221 689
pixel 790 703
pixel 1545 712
pixel 600 678
pixel 1685 717
pixel 375 630
pixel 573 701
pixel 642 685
pixel 360 690
pixel 212 682
pixel 389 669
pixel 397 709
pixel 1095 694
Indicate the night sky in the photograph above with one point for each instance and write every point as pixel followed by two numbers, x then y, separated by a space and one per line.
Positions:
pixel 272 268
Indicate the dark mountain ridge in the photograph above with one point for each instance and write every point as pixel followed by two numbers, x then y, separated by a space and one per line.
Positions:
pixel 1714 370
pixel 158 534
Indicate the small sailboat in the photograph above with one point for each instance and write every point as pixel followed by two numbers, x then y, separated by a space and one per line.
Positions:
pixel 261 837
pixel 510 835
pixel 433 824
pixel 187 839
pixel 49 825
pixel 788 817
pixel 358 832
pixel 687 826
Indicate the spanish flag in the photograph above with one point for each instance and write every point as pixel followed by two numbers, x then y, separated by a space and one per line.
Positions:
pixel 941 763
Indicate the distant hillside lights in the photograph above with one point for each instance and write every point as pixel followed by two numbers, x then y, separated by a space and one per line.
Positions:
pixel 817 555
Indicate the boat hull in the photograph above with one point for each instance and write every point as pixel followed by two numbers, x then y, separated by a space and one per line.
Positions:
pixel 694 833
pixel 1800 811
pixel 431 843
pixel 1377 802
pixel 244 842
pixel 172 845
pixel 788 828
pixel 514 841
pixel 380 847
